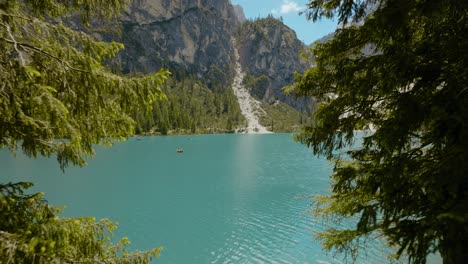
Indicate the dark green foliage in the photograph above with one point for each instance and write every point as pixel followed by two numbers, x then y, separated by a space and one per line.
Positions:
pixel 217 78
pixel 191 107
pixel 280 117
pixel 54 85
pixel 409 180
pixel 57 97
pixel 256 85
pixel 30 232
pixel 258 25
pixel 261 29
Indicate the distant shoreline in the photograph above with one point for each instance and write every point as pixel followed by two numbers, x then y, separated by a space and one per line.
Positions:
pixel 178 133
pixel 209 131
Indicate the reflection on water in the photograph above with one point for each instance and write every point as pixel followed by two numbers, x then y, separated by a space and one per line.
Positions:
pixel 226 199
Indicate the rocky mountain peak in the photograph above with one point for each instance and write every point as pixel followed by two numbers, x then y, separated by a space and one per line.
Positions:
pixel 194 38
pixel 240 13
pixel 269 52
pixel 190 37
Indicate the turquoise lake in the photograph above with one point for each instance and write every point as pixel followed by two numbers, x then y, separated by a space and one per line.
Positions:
pixel 226 199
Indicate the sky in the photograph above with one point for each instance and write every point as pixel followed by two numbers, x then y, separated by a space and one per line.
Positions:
pixel 307 31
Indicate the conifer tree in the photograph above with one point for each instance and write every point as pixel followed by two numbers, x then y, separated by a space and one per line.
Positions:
pixel 398 67
pixel 54 84
pixel 57 97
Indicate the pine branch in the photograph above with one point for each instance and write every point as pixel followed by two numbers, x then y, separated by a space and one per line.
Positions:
pixel 31 47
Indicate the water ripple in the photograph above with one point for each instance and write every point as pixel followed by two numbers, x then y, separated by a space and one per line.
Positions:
pixel 226 199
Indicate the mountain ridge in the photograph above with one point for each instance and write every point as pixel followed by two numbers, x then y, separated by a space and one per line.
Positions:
pixel 269 53
pixel 187 36
pixel 193 39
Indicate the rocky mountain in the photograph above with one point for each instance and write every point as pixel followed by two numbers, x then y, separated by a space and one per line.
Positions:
pixel 269 52
pixel 190 37
pixel 193 38
pixel 367 50
pixel 324 39
pixel 240 13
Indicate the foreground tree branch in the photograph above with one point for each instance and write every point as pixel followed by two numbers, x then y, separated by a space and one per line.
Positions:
pixel 409 178
pixel 57 97
pixel 55 75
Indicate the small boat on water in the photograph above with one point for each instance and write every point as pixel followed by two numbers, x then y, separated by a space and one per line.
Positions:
pixel 179 150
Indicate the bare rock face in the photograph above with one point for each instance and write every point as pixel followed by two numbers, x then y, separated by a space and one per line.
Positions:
pixel 240 13
pixel 194 38
pixel 190 37
pixel 269 52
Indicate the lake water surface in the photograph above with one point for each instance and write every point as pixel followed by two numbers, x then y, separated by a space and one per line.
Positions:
pixel 226 199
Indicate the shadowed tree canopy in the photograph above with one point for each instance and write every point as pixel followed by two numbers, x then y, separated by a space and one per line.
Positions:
pixel 57 97
pixel 408 181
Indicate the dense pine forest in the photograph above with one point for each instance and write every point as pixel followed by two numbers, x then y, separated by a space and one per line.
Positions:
pixel 191 106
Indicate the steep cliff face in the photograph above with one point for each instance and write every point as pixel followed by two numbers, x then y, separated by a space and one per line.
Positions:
pixel 269 52
pixel 240 13
pixel 190 37
pixel 194 38
pixel 324 39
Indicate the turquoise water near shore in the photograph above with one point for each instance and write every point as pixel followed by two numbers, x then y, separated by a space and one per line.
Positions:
pixel 226 199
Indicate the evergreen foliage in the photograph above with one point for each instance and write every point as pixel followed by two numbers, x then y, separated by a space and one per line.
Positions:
pixel 408 181
pixel 54 85
pixel 30 232
pixel 191 107
pixel 257 85
pixel 282 118
pixel 260 29
pixel 56 97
